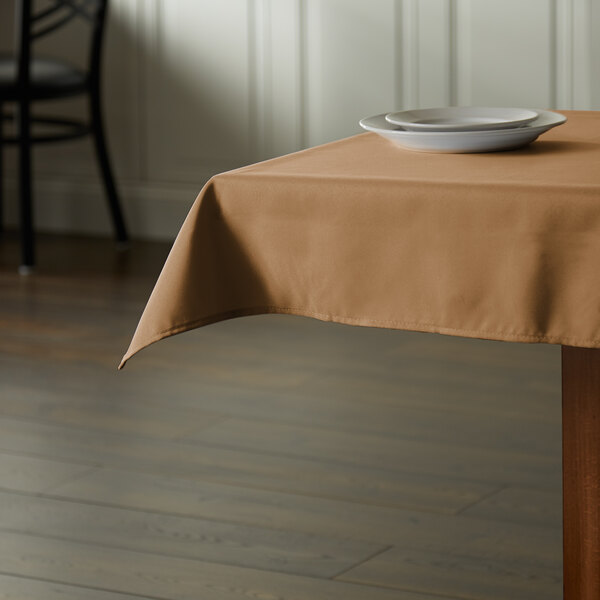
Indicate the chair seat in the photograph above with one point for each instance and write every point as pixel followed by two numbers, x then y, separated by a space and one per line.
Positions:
pixel 50 78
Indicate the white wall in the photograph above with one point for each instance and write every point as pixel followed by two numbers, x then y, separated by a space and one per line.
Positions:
pixel 195 87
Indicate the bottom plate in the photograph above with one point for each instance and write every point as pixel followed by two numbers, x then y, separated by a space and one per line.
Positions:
pixel 464 141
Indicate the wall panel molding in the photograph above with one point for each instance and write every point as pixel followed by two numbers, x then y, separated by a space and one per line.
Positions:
pixel 575 56
pixel 435 52
pixel 583 72
pixel 564 54
pixel 462 27
pixel 196 87
pixel 425 37
pixel 409 74
pixel 350 65
pixel 505 52
pixel 201 106
pixel 280 76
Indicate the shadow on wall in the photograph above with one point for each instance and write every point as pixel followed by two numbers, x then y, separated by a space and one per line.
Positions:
pixel 167 104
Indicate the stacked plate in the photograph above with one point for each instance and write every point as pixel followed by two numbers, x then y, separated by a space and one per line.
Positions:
pixel 463 129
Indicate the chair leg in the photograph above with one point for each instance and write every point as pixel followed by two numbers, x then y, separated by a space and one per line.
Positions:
pixel 103 160
pixel 1 167
pixel 25 192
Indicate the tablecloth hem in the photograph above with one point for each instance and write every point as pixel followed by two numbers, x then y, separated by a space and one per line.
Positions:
pixel 505 336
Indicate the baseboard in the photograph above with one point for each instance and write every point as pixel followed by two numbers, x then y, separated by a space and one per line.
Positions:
pixel 153 211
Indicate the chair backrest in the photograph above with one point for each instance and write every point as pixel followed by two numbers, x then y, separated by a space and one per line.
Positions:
pixel 33 24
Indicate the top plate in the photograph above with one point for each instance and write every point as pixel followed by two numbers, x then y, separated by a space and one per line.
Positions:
pixel 462 118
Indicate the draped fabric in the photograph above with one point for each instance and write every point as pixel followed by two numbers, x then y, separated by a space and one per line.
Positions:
pixel 503 246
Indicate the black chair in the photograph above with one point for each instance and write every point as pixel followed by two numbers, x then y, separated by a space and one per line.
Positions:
pixel 25 78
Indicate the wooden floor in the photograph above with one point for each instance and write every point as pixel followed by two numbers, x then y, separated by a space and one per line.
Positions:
pixel 264 458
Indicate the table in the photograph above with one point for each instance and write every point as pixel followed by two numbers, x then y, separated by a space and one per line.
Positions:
pixel 502 246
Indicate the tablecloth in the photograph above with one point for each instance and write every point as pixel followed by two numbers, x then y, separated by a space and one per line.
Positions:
pixel 503 246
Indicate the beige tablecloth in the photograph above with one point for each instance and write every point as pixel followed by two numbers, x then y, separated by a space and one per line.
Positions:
pixel 504 246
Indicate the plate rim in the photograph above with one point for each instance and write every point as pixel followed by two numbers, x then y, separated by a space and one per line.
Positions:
pixel 500 124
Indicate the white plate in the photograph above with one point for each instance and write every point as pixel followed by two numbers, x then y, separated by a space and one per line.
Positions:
pixel 464 141
pixel 462 118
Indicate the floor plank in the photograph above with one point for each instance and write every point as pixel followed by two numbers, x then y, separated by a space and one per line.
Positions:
pixel 211 541
pixel 488 538
pixel 20 588
pixel 451 420
pixel 498 466
pixel 162 577
pixel 98 413
pixel 517 505
pixel 372 485
pixel 30 474
pixel 466 576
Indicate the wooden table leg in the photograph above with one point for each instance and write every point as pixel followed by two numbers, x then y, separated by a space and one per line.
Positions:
pixel 581 472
